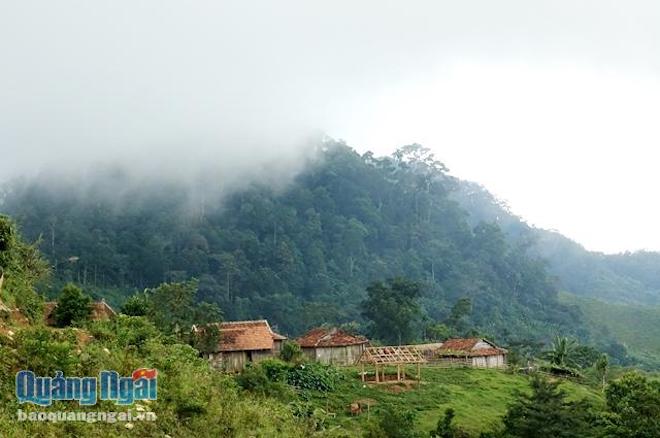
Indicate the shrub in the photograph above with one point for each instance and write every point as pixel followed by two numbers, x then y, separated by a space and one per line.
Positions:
pixel 206 338
pixel 255 379
pixel 314 376
pixel 291 352
pixel 315 419
pixel 276 370
pixel 44 351
pixel 73 307
pixel 31 305
pixel 547 413
pixel 446 428
pixel 393 423
pixel 633 406
pixel 136 305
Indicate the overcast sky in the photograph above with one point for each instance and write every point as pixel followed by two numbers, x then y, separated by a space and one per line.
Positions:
pixel 552 105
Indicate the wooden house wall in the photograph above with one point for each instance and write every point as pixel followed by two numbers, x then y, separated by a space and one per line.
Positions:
pixel 497 361
pixel 230 361
pixel 259 355
pixel 451 361
pixel 344 355
pixel 235 361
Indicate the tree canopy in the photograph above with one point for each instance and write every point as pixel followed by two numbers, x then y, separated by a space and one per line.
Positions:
pixel 546 413
pixel 301 254
pixel 73 306
pixel 392 308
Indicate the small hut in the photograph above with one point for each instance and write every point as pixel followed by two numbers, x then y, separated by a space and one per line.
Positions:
pixel 473 352
pixel 332 346
pixel 427 350
pixel 242 342
pixel 382 357
pixel 101 311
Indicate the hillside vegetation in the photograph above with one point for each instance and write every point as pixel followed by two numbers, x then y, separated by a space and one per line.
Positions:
pixel 193 400
pixel 618 294
pixel 636 326
pixel 301 255
pixel 479 397
pixel 632 278
pixel 277 398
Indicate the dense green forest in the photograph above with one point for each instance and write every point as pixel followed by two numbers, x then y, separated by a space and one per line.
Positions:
pixel 618 294
pixel 630 278
pixel 635 326
pixel 301 255
pixel 289 396
pixel 193 400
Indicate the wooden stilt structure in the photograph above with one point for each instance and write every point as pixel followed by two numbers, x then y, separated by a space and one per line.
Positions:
pixel 399 356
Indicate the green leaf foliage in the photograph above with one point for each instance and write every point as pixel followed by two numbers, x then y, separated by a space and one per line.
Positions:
pixel 73 307
pixel 546 413
pixel 393 309
pixel 21 269
pixel 633 407
pixel 305 253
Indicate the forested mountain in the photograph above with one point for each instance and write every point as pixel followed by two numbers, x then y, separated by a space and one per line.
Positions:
pixel 619 278
pixel 302 255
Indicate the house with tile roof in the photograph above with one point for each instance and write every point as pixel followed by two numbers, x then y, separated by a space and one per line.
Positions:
pixel 332 345
pixel 474 352
pixel 241 342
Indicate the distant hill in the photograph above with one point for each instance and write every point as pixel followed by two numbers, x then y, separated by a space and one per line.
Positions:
pixel 637 327
pixel 301 255
pixel 632 278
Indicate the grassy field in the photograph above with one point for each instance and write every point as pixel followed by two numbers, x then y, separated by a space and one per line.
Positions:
pixel 637 327
pixel 479 397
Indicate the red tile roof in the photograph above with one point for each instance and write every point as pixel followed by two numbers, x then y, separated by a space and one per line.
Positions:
pixel 246 335
pixel 466 347
pixel 329 337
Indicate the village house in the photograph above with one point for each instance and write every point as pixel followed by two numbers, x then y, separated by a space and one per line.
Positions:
pixel 427 350
pixel 101 311
pixel 474 352
pixel 241 342
pixel 332 346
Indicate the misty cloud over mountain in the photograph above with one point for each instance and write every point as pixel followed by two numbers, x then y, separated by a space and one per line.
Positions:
pixel 161 83
pixel 501 92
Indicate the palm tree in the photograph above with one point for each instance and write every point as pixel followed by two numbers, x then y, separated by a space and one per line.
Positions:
pixel 562 352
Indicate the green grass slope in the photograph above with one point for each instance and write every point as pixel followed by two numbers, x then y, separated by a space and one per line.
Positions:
pixel 636 326
pixel 480 398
